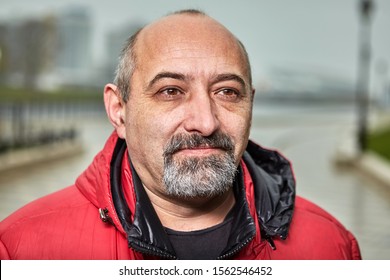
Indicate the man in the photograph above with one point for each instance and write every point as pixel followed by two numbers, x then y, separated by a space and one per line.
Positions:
pixel 179 179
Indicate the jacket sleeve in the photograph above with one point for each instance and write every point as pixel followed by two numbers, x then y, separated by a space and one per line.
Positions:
pixel 3 252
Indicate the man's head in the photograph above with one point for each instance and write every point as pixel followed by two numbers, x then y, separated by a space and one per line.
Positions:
pixel 183 102
pixel 128 59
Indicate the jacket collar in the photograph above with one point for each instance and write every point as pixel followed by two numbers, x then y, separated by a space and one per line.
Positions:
pixel 94 182
pixel 274 187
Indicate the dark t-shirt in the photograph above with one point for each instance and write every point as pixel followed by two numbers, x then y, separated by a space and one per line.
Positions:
pixel 205 244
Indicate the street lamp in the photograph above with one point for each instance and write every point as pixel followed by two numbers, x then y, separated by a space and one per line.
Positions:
pixel 362 92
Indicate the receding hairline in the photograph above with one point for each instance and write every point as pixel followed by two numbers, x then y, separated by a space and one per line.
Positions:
pixel 130 51
pixel 200 13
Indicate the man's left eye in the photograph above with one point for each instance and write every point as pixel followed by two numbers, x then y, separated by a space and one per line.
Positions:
pixel 228 93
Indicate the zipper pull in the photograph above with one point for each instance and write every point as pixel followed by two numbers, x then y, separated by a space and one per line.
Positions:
pixel 270 242
pixel 104 216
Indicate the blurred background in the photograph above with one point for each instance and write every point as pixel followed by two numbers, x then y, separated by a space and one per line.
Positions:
pixel 320 69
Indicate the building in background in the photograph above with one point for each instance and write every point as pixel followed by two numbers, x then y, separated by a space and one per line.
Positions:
pixel 48 51
pixel 74 58
pixel 115 41
pixel 28 49
pixel 306 85
pixel 3 52
pixel 55 50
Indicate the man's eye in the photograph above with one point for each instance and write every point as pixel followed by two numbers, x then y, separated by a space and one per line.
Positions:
pixel 170 93
pixel 228 93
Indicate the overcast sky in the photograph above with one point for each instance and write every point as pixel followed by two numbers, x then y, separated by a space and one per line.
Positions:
pixel 314 35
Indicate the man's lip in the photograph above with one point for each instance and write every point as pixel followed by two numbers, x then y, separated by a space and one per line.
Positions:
pixel 199 150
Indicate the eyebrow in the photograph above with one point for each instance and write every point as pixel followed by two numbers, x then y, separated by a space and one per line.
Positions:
pixel 229 77
pixel 165 75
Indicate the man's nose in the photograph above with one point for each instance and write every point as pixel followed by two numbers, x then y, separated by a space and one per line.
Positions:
pixel 201 115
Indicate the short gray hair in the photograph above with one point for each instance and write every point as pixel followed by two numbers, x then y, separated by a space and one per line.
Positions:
pixel 126 66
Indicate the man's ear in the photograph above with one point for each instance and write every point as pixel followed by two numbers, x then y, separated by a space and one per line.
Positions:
pixel 253 94
pixel 115 109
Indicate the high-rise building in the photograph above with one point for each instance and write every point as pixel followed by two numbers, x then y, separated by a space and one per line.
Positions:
pixel 27 50
pixel 115 41
pixel 74 60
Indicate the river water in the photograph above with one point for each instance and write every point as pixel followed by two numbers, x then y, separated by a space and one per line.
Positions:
pixel 308 135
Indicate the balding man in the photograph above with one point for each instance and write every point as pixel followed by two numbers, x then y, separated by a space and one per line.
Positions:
pixel 179 178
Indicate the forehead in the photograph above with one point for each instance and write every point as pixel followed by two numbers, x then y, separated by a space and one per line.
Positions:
pixel 197 39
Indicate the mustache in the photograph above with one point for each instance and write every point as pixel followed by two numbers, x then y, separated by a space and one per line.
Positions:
pixel 182 141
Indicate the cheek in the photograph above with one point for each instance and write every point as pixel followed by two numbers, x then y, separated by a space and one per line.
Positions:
pixel 149 130
pixel 141 132
pixel 238 127
pixel 145 145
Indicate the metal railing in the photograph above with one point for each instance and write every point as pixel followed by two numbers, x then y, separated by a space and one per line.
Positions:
pixel 27 124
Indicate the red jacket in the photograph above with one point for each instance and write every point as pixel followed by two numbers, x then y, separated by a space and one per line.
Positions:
pixel 97 218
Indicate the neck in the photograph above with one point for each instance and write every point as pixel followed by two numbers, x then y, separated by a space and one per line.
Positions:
pixel 191 214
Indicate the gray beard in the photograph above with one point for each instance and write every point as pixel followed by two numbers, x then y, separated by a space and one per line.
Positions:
pixel 194 177
pixel 199 177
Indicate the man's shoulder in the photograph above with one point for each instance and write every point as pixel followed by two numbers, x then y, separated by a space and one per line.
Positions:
pixel 56 203
pixel 316 234
pixel 305 210
pixel 49 227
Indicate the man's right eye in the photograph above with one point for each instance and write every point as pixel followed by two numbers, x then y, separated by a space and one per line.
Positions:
pixel 170 93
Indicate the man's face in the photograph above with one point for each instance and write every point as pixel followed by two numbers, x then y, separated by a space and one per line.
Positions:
pixel 189 111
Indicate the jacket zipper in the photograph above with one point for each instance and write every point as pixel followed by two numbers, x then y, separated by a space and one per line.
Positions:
pixel 151 252
pixel 235 251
